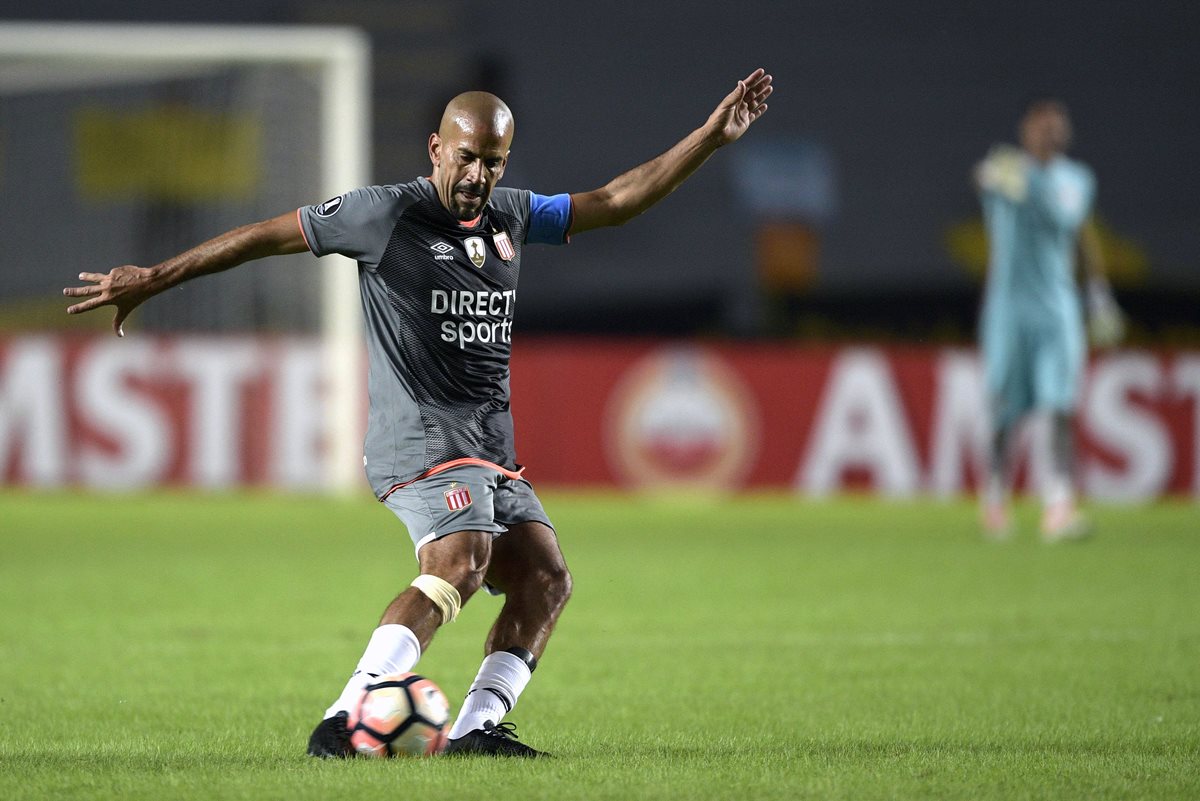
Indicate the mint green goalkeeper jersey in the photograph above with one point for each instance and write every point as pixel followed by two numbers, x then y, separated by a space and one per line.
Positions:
pixel 1032 242
pixel 1031 327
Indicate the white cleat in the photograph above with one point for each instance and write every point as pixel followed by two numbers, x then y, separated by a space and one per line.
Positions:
pixel 1065 523
pixel 996 523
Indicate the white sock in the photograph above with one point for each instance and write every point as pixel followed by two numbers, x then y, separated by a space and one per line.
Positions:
pixel 1057 492
pixel 995 493
pixel 393 649
pixel 493 694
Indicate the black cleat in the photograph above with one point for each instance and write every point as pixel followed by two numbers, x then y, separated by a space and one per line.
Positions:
pixel 331 738
pixel 492 740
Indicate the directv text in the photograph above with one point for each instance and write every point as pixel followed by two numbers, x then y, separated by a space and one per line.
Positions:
pixel 464 303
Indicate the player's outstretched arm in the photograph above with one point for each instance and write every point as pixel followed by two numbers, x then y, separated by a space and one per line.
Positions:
pixel 128 286
pixel 631 193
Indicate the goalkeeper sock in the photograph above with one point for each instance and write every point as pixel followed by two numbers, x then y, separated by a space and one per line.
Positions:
pixel 1057 493
pixel 393 649
pixel 995 493
pixel 493 694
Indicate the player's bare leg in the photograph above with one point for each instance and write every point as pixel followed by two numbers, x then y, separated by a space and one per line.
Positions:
pixel 461 559
pixel 452 570
pixel 528 567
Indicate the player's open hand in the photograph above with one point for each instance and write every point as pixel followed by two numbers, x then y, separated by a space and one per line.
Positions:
pixel 745 104
pixel 124 287
pixel 1005 171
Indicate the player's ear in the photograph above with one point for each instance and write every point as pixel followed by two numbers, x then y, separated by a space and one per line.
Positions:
pixel 435 149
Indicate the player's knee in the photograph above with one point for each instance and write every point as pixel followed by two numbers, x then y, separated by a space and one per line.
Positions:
pixel 450 593
pixel 469 579
pixel 460 560
pixel 466 578
pixel 556 584
pixel 444 596
pixel 545 588
pixel 564 588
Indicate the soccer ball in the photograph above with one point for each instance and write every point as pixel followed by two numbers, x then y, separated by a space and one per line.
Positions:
pixel 401 714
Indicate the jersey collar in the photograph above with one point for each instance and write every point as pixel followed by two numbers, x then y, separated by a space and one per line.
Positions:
pixel 466 225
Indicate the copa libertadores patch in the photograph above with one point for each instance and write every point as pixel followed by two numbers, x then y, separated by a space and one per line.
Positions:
pixel 330 207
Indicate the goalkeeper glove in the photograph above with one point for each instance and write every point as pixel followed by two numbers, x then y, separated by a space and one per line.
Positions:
pixel 1106 324
pixel 1004 171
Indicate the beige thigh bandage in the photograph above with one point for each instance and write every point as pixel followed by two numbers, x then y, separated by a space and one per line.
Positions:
pixel 443 594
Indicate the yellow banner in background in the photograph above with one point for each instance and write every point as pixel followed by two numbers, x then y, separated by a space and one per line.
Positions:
pixel 169 153
pixel 1126 262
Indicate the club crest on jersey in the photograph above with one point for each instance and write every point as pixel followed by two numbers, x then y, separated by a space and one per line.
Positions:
pixel 504 245
pixel 457 497
pixel 476 250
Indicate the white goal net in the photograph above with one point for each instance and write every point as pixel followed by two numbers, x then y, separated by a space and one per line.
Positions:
pixel 129 143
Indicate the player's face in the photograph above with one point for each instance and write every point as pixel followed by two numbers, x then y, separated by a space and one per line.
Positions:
pixel 1045 131
pixel 467 164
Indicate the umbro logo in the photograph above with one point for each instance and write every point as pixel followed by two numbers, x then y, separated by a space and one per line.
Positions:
pixel 442 249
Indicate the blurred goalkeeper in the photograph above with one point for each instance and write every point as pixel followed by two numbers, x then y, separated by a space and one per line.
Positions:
pixel 438 260
pixel 1037 205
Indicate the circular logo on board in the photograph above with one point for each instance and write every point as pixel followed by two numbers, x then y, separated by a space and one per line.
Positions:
pixel 329 207
pixel 681 418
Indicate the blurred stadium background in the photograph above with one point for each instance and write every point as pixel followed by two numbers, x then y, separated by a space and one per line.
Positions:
pixel 799 316
pixel 795 323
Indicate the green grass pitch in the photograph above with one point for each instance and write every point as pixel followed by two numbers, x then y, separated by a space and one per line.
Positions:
pixel 763 647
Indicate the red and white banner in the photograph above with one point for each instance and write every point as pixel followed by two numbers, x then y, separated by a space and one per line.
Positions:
pixel 219 412
pixel 898 421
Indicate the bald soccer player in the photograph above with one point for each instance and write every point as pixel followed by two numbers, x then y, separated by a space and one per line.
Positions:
pixel 438 260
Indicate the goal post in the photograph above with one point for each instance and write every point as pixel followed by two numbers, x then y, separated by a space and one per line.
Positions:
pixel 45 56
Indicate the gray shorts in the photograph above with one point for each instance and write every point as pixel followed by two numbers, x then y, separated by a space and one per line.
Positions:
pixel 465 498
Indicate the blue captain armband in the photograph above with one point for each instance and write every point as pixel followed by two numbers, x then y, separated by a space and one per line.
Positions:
pixel 549 219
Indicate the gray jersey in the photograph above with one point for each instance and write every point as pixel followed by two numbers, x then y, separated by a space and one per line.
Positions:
pixel 438 297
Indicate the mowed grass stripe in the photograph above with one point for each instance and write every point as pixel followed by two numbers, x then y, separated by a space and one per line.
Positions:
pixel 182 646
